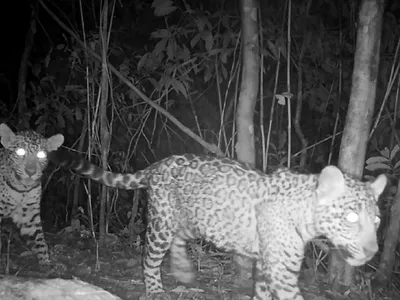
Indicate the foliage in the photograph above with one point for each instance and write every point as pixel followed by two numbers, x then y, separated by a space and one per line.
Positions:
pixel 387 161
pixel 185 57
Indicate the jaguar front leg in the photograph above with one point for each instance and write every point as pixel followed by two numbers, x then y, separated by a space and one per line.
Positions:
pixel 276 282
pixel 31 229
pixel 261 288
pixel 279 263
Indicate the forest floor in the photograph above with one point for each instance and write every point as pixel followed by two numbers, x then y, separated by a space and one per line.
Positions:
pixel 119 272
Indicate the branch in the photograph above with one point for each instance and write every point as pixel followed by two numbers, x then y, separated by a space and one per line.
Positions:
pixel 210 147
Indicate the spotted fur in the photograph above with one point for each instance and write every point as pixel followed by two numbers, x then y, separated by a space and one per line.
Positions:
pixel 22 161
pixel 266 217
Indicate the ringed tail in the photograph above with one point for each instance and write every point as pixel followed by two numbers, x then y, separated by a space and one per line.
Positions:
pixel 68 160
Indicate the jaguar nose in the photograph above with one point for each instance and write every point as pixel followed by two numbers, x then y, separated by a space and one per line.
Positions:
pixel 371 248
pixel 30 170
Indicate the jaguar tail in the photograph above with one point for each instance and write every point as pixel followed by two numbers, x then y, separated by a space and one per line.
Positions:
pixel 71 161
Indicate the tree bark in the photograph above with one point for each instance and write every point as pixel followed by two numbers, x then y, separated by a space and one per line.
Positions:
pixel 388 256
pixel 105 136
pixel 359 114
pixel 23 69
pixel 245 148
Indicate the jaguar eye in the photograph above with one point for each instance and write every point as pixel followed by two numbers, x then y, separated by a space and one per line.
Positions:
pixel 20 152
pixel 352 217
pixel 41 154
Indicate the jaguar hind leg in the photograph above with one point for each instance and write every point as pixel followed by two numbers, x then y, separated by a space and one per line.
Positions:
pixel 159 237
pixel 181 266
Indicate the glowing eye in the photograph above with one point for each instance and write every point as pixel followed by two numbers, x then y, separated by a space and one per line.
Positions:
pixel 41 154
pixel 377 220
pixel 20 152
pixel 352 217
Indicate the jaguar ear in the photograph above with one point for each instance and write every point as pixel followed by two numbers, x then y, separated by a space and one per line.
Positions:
pixel 331 184
pixel 54 142
pixel 7 135
pixel 379 185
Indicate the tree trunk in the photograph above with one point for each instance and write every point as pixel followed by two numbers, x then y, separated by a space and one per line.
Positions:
pixel 23 70
pixel 105 136
pixel 387 262
pixel 245 147
pixel 359 114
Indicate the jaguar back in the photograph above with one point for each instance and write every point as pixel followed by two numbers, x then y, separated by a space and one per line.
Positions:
pixel 266 217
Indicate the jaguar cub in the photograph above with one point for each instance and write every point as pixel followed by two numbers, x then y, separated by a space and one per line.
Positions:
pixel 22 161
pixel 268 217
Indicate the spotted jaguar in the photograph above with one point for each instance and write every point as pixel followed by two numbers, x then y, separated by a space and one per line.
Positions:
pixel 22 161
pixel 266 217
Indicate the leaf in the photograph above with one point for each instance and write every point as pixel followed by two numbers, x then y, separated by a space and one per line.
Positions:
pixel 396 165
pixel 170 49
pixel 165 80
pixel 385 152
pixel 224 72
pixel 394 152
pixel 207 75
pixel 124 68
pixel 186 54
pixel 179 87
pixel 200 24
pixel 72 88
pixel 195 40
pixel 161 34
pixel 163 7
pixel 376 159
pixel 153 82
pixel 163 11
pixel 224 57
pixel 287 95
pixel 160 47
pixel 282 139
pixel 26 253
pixel 226 39
pixel 188 9
pixel 78 114
pixel 142 62
pixel 280 43
pixel 377 166
pixel 208 39
pixel 273 49
pixel 281 99
pixel 60 121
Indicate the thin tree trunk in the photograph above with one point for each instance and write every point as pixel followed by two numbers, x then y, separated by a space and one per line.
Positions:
pixel 105 137
pixel 23 69
pixel 75 202
pixel 299 104
pixel 387 262
pixel 245 147
pixel 359 114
